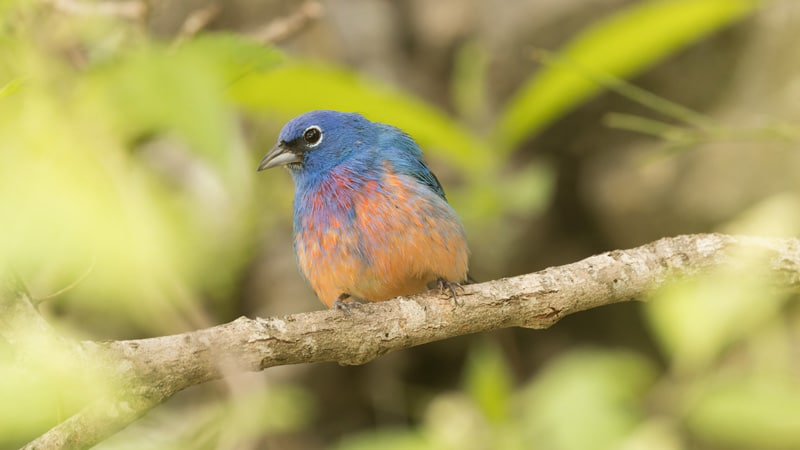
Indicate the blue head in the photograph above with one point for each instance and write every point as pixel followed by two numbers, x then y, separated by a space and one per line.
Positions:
pixel 313 144
pixel 318 141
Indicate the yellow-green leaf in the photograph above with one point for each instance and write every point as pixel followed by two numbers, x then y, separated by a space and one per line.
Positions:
pixel 620 46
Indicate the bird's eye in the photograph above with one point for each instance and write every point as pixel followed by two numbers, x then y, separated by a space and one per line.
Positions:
pixel 312 136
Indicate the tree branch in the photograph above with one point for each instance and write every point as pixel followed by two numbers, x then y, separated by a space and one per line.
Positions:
pixel 149 371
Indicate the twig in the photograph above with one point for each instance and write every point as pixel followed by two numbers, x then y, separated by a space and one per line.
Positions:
pixel 38 300
pixel 196 21
pixel 152 370
pixel 19 319
pixel 128 9
pixel 285 27
pixel 628 90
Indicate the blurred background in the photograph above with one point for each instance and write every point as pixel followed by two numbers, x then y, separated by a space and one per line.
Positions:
pixel 130 132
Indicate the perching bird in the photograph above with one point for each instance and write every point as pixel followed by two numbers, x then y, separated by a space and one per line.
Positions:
pixel 371 221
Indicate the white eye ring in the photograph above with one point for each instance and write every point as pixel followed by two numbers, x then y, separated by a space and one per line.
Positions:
pixel 313 136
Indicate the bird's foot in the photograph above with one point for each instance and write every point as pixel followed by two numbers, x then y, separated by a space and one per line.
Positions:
pixel 452 288
pixel 344 306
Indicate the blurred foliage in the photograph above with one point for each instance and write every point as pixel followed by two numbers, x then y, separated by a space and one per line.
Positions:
pixel 488 382
pixel 245 416
pixel 620 46
pixel 43 388
pixel 124 157
pixel 583 399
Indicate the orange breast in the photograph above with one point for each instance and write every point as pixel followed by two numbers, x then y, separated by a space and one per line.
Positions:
pixel 398 237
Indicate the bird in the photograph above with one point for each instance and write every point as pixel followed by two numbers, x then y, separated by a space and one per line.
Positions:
pixel 371 221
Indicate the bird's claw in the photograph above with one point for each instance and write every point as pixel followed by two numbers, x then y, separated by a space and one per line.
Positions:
pixel 341 305
pixel 344 306
pixel 452 288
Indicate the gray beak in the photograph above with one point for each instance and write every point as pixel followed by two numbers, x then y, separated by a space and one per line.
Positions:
pixel 280 155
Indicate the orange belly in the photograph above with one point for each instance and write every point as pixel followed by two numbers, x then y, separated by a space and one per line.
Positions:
pixel 395 241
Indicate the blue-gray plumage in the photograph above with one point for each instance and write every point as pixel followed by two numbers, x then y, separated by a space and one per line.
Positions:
pixel 370 219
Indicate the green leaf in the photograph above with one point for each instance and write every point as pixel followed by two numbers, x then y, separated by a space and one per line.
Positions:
pixel 488 381
pixel 468 86
pixel 759 412
pixel 619 46
pixel 585 399
pixel 385 439
pixel 152 222
pixel 696 320
pixel 181 91
pixel 233 55
pixel 11 87
pixel 453 421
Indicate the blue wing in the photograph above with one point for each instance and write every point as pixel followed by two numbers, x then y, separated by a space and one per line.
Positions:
pixel 427 177
pixel 406 158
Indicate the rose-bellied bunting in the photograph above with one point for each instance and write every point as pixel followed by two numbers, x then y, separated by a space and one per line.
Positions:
pixel 371 221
